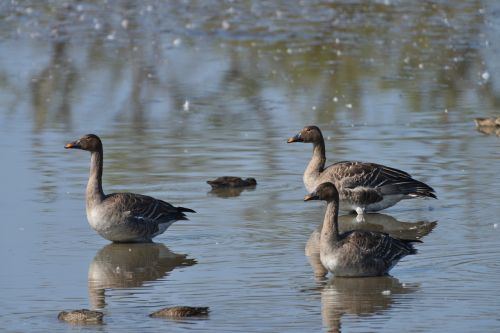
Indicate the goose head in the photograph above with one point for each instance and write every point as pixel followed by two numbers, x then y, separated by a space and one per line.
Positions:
pixel 307 134
pixel 89 142
pixel 325 191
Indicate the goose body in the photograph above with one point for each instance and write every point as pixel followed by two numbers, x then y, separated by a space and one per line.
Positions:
pixel 355 253
pixel 363 186
pixel 122 217
pixel 231 182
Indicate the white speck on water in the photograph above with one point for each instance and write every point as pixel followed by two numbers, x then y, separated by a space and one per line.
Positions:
pixel 314 107
pixel 337 40
pixel 177 42
pixel 335 99
pixel 150 75
pixel 328 137
pixel 445 110
pixel 289 51
pixel 186 151
pixel 129 249
pixel 117 269
pixel 279 14
pixel 339 53
pixel 495 225
pixel 149 8
pixel 111 36
pixel 29 10
pixel 185 106
pixel 386 292
pixel 225 25
pixel 485 76
pixel 406 60
pixel 349 106
pixel 124 23
pixel 420 66
pixel 79 8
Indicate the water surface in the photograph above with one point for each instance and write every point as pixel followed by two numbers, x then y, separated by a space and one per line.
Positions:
pixel 183 92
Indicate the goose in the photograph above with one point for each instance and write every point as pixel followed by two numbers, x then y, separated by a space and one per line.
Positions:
pixel 363 186
pixel 487 122
pixel 83 316
pixel 122 217
pixel 355 253
pixel 181 311
pixel 231 182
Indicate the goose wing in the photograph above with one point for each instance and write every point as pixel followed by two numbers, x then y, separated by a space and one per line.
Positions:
pixel 376 245
pixel 371 181
pixel 145 211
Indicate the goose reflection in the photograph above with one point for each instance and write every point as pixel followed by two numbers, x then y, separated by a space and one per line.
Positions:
pixel 129 266
pixel 359 296
pixel 228 192
pixel 372 222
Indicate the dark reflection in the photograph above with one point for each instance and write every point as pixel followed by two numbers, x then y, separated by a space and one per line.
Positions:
pixel 129 266
pixel 489 130
pixel 359 296
pixel 229 192
pixel 371 222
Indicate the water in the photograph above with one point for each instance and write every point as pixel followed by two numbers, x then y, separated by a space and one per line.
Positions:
pixel 394 82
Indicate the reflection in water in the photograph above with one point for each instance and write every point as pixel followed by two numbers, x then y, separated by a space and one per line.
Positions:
pixel 372 222
pixel 489 130
pixel 358 296
pixel 129 266
pixel 227 192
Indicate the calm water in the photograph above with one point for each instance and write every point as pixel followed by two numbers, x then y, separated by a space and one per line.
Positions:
pixel 182 92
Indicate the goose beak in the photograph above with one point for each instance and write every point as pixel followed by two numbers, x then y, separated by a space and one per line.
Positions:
pixel 311 196
pixel 296 138
pixel 73 145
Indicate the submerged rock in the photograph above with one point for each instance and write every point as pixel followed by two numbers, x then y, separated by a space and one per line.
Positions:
pixel 181 312
pixel 82 316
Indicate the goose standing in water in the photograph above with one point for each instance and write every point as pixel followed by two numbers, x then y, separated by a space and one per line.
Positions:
pixel 122 217
pixel 362 186
pixel 355 253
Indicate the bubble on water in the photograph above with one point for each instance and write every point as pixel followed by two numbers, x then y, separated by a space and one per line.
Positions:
pixel 314 107
pixel 445 110
pixel 124 23
pixel 485 76
pixel 177 42
pixel 420 66
pixel 335 99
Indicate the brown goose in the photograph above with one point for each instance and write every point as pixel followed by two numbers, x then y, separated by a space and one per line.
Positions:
pixel 231 182
pixel 122 217
pixel 362 186
pixel 487 122
pixel 355 253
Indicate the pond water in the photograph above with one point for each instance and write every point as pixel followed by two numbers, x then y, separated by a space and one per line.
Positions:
pixel 182 92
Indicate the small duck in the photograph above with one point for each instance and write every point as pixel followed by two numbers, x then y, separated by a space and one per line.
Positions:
pixel 122 217
pixel 181 312
pixel 363 186
pixel 355 253
pixel 231 182
pixel 83 316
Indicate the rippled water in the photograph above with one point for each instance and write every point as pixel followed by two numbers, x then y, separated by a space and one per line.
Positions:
pixel 182 92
